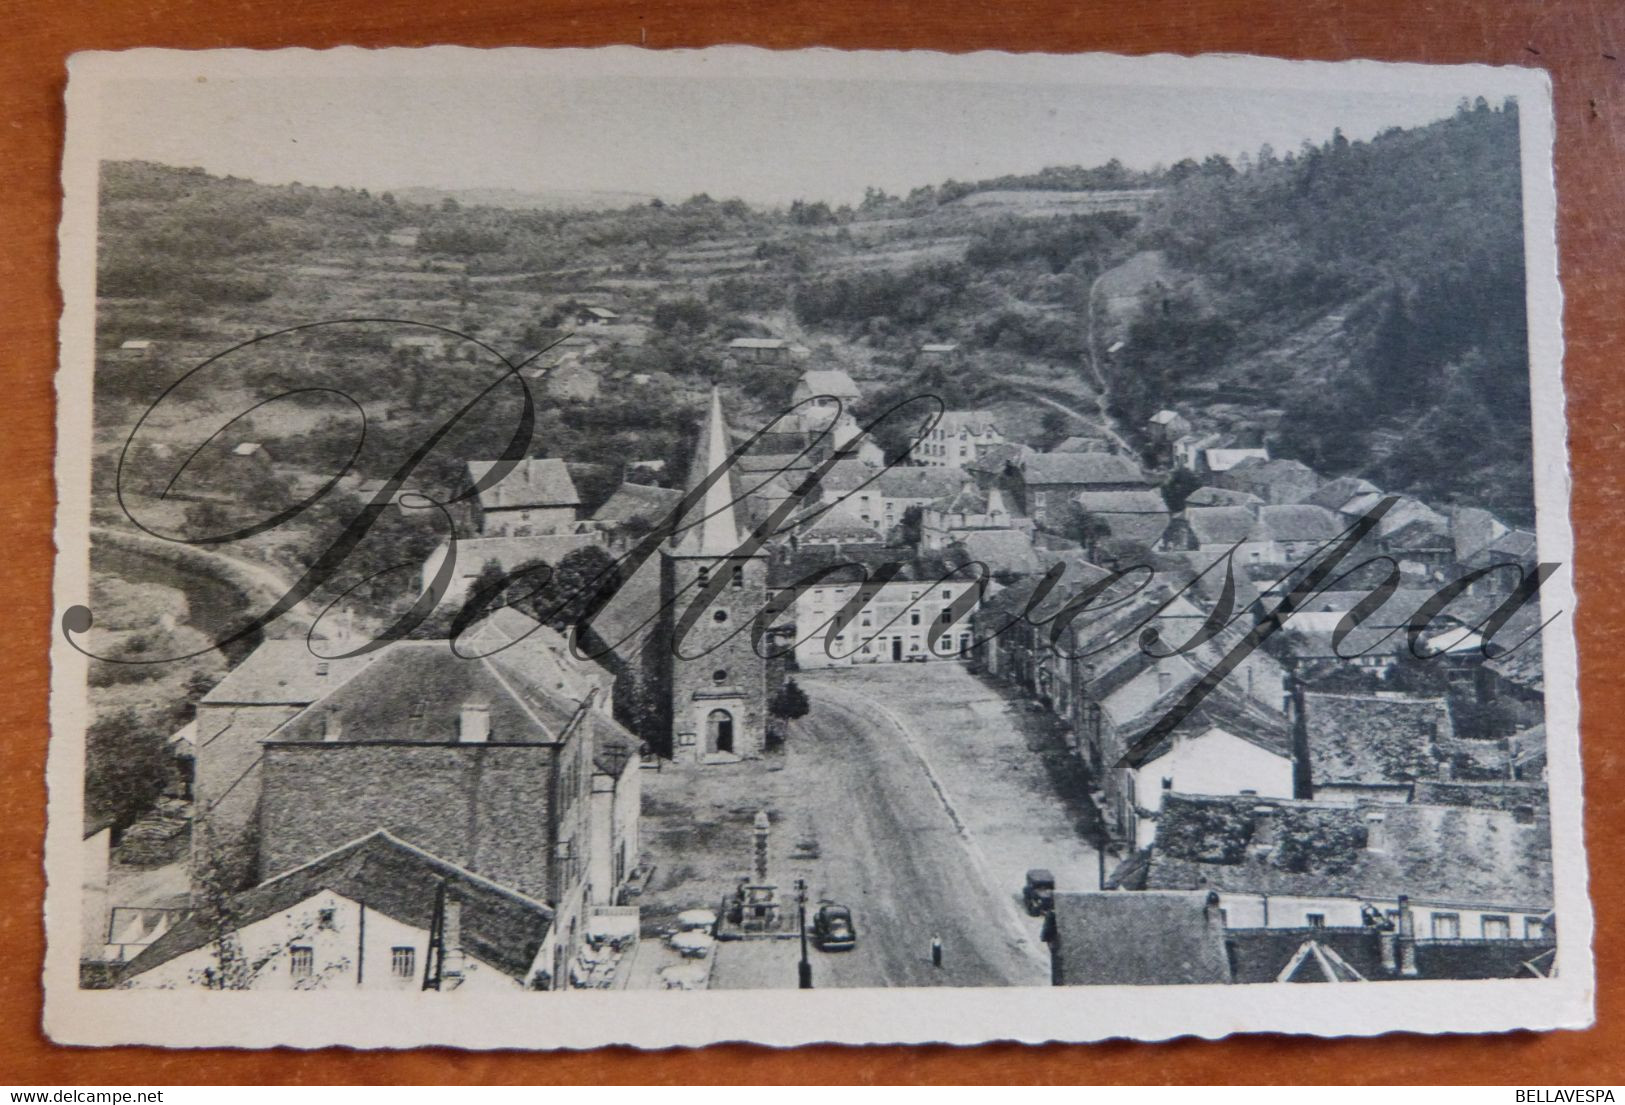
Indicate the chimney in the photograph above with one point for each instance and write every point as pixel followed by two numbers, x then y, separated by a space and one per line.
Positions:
pixel 1303 786
pixel 1376 835
pixel 452 961
pixel 474 723
pixel 1388 942
pixel 1407 939
pixel 1265 831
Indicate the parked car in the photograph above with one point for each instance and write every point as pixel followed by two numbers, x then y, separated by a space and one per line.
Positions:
pixel 1039 893
pixel 833 930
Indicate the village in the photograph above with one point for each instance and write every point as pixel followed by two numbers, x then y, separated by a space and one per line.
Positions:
pixel 945 769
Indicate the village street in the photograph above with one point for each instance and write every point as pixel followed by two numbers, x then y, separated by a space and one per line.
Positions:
pixel 914 794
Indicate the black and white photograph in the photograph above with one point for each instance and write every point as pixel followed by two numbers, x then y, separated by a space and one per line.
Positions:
pixel 793 547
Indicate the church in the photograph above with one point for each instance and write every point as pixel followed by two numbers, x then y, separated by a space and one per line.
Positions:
pixel 712 683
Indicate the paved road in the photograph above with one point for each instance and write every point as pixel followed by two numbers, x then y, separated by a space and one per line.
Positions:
pixel 908 872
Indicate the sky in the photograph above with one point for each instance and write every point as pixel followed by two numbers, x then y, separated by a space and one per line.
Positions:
pixel 764 139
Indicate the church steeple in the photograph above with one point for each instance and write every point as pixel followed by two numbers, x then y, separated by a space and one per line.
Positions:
pixel 715 529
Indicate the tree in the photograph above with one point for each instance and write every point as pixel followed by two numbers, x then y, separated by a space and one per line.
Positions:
pixel 1054 425
pixel 126 768
pixel 584 581
pixel 790 703
pixel 1087 529
pixel 909 528
pixel 1178 487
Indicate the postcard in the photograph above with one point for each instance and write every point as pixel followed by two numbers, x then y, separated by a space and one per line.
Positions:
pixel 570 548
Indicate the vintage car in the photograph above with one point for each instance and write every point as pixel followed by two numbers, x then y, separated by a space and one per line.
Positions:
pixel 832 928
pixel 1039 893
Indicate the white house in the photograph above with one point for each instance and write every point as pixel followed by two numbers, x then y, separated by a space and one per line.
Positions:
pixel 375 914
pixel 896 619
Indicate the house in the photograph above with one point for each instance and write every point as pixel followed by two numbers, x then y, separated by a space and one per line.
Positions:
pixel 1003 552
pixel 1166 427
pixel 1335 494
pixel 1078 443
pixel 1218 460
pixel 1298 530
pixel 638 504
pixel 1213 531
pixel 1231 744
pixel 1384 948
pixel 1469 873
pixel 949 519
pixel 1190 451
pixel 420 345
pixel 251 455
pixel 838 533
pixel 826 388
pixel 488 762
pixel 572 381
pixel 922 613
pixel 1416 535
pixel 1221 496
pixel 1358 748
pixel 1047 483
pixel 1138 516
pixel 759 350
pixel 1374 643
pixel 375 914
pixel 1274 481
pixel 271 686
pixel 882 496
pixel 595 317
pixel 1515 547
pixel 1145 939
pixel 535 495
pixel 957 438
pixel 1472 530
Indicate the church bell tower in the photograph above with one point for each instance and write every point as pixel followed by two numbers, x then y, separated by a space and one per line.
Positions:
pixel 716 681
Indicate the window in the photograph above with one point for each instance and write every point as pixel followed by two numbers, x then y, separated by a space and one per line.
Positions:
pixel 301 962
pixel 1534 928
pixel 739 576
pixel 868 619
pixel 1315 920
pixel 705 575
pixel 403 962
pixel 720 616
pixel 946 595
pixel 947 616
pixel 913 617
pixel 326 918
pixel 720 675
pixel 1446 926
pixel 1497 928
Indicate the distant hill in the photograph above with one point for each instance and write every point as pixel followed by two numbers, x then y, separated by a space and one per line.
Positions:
pixel 512 199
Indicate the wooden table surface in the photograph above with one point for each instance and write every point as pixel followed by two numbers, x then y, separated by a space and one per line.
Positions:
pixel 1582 44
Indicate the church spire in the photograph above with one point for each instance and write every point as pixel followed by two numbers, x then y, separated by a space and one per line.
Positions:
pixel 716 533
